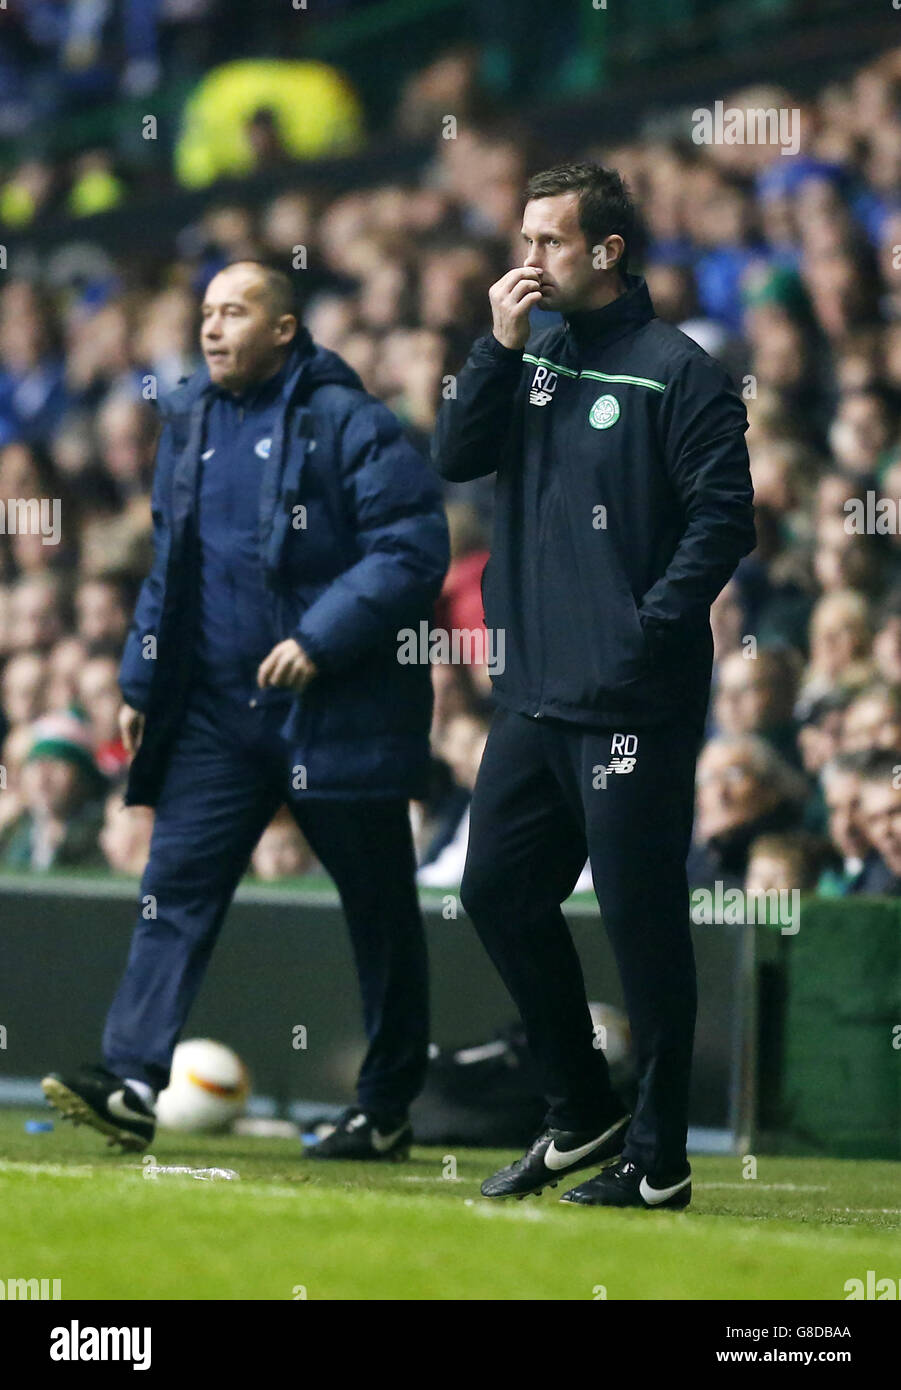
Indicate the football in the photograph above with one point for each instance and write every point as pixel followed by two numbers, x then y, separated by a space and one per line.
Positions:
pixel 207 1091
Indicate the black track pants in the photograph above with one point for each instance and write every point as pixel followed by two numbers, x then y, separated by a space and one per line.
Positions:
pixel 548 795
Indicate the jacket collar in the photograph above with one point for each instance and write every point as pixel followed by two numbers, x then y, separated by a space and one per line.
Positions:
pixel 259 392
pixel 187 394
pixel 597 327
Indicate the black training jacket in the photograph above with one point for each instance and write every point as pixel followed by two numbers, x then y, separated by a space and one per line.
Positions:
pixel 623 505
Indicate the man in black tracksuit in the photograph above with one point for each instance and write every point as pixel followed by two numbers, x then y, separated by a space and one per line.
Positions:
pixel 623 504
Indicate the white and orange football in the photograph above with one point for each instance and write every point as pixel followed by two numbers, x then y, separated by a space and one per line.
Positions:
pixel 207 1090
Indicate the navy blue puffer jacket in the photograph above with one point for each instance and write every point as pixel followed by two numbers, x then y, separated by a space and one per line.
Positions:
pixel 369 561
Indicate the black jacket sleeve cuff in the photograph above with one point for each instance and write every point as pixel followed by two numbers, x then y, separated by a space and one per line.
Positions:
pixel 499 352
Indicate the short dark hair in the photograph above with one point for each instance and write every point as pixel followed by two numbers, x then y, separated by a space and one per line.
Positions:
pixel 280 288
pixel 811 852
pixel 605 204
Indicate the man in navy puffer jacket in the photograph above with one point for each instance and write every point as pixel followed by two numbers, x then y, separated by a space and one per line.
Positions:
pixel 296 533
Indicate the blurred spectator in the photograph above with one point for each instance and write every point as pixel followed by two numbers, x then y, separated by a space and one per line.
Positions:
pixel 887 640
pixel 64 663
pixel 880 812
pixel 757 696
pixel 461 748
pixel 840 646
pixel 268 150
pixel 862 428
pixel 60 793
pixel 36 613
pixel 450 83
pixel 126 434
pixel 282 851
pixel 100 699
pixel 820 731
pixel 124 836
pixel 459 607
pixel 95 187
pixel 873 719
pixel 102 614
pixel 32 381
pixel 165 341
pixel 312 106
pixel 858 868
pixel 453 694
pixel 26 192
pixel 744 789
pixel 15 750
pixel 727 621
pixel 785 863
pixel 23 688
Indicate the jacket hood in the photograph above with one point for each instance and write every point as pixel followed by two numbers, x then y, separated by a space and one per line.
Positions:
pixel 309 366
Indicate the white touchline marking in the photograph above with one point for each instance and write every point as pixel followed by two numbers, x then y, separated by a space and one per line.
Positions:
pixel 408 1177
pixel 56 1170
pixel 255 1189
pixel 870 1211
pixel 516 1213
pixel 751 1184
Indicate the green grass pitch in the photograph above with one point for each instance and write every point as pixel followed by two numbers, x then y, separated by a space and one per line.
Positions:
pixel 291 1228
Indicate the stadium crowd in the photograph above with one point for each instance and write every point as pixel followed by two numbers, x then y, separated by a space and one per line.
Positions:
pixel 787 268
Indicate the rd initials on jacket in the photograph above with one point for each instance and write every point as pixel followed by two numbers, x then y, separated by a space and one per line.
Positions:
pixel 623 753
pixel 544 383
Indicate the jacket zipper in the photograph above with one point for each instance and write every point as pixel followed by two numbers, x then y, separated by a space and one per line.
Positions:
pixel 542 526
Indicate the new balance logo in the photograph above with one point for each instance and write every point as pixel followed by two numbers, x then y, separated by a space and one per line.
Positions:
pixel 621 765
pixel 540 397
pixel 623 750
